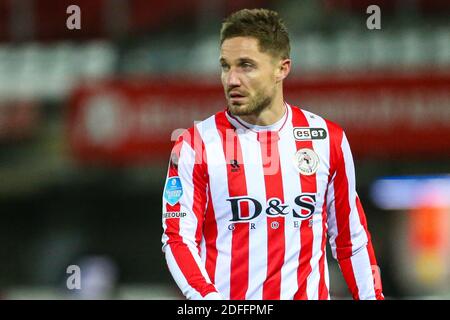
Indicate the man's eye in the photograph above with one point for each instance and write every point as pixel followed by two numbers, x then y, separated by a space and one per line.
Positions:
pixel 247 65
pixel 225 67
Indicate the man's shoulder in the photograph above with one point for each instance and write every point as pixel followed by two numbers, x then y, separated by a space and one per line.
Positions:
pixel 317 120
pixel 216 122
pixel 212 122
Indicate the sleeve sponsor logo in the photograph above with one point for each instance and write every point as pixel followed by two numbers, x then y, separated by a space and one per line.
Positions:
pixel 305 133
pixel 173 190
pixel 175 214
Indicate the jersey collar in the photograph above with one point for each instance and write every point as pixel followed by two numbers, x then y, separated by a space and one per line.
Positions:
pixel 239 124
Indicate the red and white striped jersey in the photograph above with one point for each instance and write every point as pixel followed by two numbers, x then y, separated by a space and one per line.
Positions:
pixel 247 212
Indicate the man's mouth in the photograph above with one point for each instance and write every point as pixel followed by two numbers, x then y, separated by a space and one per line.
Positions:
pixel 236 96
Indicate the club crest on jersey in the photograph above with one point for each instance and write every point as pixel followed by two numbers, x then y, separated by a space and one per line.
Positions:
pixel 173 190
pixel 306 161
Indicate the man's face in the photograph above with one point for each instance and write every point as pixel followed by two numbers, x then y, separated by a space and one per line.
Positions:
pixel 248 76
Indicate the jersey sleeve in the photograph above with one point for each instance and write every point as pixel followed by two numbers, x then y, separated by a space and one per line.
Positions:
pixel 184 204
pixel 349 236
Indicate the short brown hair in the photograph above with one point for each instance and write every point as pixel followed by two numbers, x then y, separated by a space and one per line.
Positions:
pixel 264 25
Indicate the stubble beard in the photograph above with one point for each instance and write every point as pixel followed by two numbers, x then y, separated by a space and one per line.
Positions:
pixel 254 107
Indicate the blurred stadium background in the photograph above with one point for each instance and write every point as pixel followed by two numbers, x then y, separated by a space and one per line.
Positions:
pixel 86 118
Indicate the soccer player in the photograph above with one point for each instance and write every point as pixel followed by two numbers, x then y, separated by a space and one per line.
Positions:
pixel 253 191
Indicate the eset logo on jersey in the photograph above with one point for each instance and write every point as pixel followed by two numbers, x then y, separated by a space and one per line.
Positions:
pixel 306 133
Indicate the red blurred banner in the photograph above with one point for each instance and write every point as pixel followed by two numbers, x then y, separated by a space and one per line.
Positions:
pixel 102 18
pixel 132 121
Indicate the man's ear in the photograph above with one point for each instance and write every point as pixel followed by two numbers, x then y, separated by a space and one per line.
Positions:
pixel 283 69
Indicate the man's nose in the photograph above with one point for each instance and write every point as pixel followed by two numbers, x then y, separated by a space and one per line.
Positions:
pixel 233 79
